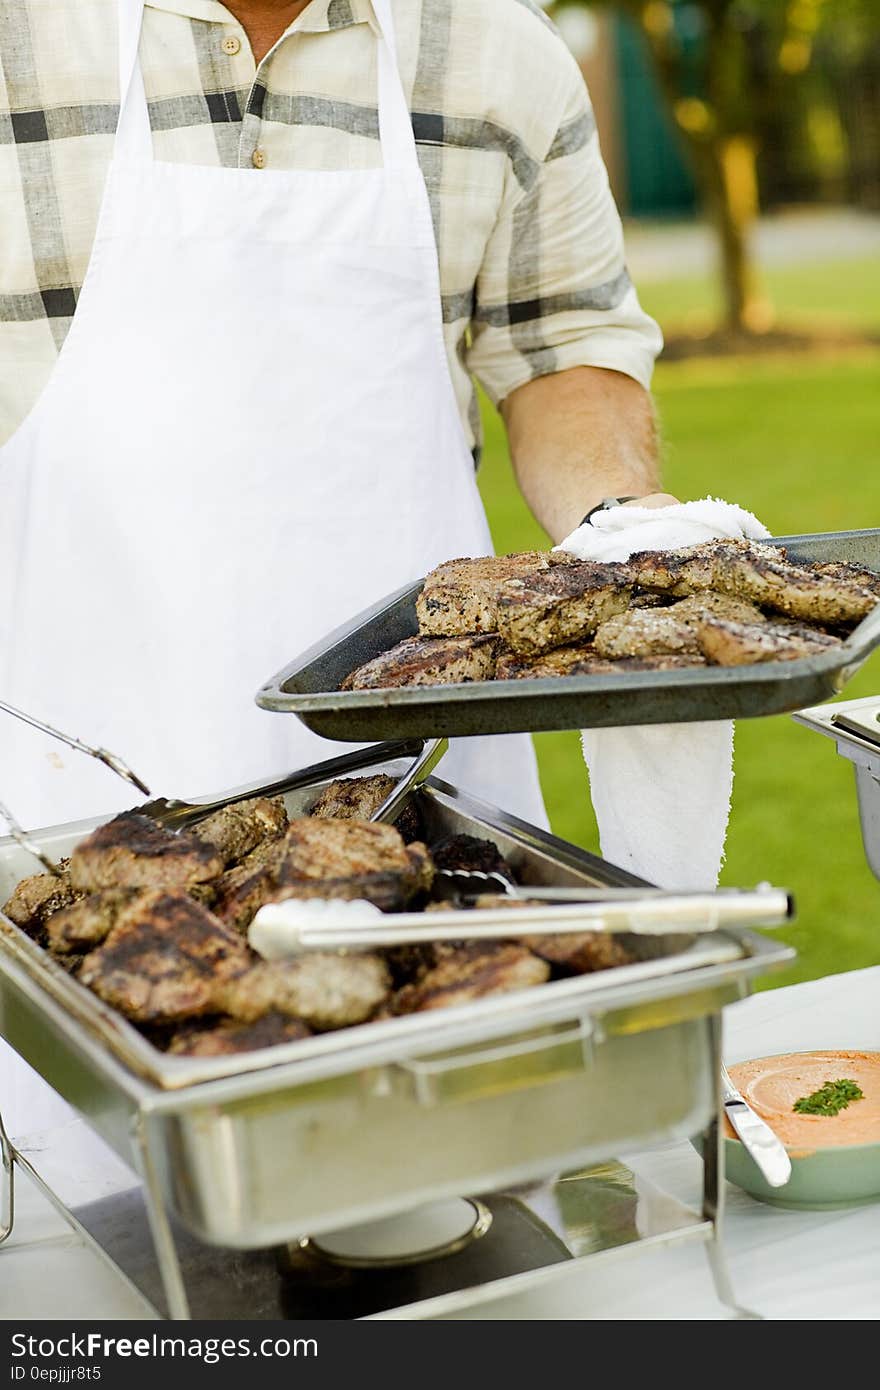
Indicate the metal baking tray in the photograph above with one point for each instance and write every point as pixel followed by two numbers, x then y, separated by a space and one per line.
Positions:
pixel 310 1136
pixel 308 687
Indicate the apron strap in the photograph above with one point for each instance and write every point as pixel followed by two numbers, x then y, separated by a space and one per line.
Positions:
pixel 395 122
pixel 134 140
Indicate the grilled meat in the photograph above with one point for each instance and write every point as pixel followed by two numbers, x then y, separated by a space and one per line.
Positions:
pixel 226 1038
pixel 761 574
pixel 582 953
pixel 353 859
pixel 165 961
pixel 649 632
pixel 790 589
pixel 561 605
pixel 744 644
pixel 582 660
pixel 88 922
pixel 470 972
pixel 357 798
pixel 846 574
pixel 469 852
pixel 461 596
pixel 428 661
pixel 34 899
pixel 236 830
pixel 709 603
pixel 679 572
pixel 324 989
pixel 241 891
pixel 132 851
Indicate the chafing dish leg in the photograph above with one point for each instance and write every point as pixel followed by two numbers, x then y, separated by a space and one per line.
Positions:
pixel 160 1228
pixel 7 1182
pixel 713 1186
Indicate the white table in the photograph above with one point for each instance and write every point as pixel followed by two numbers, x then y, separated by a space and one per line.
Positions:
pixel 785 1264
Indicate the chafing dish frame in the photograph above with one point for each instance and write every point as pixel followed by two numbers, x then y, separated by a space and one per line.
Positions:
pixel 481 1096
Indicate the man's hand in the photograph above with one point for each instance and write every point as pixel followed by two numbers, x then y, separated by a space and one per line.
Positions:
pixel 578 436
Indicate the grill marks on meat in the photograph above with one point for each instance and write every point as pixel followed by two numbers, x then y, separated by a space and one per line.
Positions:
pixel 428 661
pixel 470 972
pixel 323 989
pixel 461 596
pixel 357 798
pixel 646 632
pixel 88 922
pixel 34 900
pixel 745 644
pixel 132 851
pixel 165 961
pixel 243 890
pixel 762 574
pixel 236 830
pixel 353 859
pixel 561 605
pixel 229 1037
pixel 556 615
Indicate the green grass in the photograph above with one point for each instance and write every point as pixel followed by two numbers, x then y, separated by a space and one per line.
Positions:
pixel 797 441
pixel 845 293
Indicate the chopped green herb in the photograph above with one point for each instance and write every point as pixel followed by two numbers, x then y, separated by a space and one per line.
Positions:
pixel 830 1099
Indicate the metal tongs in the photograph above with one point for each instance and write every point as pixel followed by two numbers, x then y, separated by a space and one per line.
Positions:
pixel 103 755
pixel 637 911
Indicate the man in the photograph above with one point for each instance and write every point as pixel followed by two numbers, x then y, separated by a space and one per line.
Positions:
pixel 312 227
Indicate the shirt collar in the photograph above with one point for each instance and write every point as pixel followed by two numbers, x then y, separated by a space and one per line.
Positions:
pixel 317 17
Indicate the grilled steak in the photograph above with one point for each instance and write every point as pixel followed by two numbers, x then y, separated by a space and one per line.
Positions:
pixel 34 899
pixel 649 632
pixel 236 830
pixel 322 988
pixel 241 891
pixel 758 574
pixel 165 961
pixel 132 851
pixel 581 660
pixel 88 922
pixel 561 605
pixel 228 1037
pixel 357 798
pixel 744 644
pixel 580 954
pixel 470 972
pixel 710 604
pixel 353 859
pixel 846 574
pixel 461 596
pixel 761 574
pixel 428 661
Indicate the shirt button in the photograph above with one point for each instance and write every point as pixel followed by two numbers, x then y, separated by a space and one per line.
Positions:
pixel 232 45
pixel 258 159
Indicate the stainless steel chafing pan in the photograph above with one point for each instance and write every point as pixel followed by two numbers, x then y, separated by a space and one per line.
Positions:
pixel 309 686
pixel 259 1149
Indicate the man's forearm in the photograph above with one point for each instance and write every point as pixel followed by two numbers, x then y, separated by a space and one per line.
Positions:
pixel 578 436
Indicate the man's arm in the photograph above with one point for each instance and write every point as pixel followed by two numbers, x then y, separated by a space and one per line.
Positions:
pixel 580 435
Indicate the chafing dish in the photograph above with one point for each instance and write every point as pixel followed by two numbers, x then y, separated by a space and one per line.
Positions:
pixel 268 1147
pixel 855 727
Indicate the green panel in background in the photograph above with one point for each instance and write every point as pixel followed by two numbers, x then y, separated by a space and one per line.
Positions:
pixel 658 181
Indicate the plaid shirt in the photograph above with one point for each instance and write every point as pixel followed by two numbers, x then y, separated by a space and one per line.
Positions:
pixel 531 254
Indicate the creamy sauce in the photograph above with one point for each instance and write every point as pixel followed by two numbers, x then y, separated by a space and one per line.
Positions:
pixel 771 1085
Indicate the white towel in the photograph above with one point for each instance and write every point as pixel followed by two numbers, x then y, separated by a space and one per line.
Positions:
pixel 661 792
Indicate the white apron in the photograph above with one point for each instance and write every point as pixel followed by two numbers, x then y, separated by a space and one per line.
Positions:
pixel 251 434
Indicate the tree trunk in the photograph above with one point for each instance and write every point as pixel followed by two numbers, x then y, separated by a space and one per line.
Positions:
pixel 725 172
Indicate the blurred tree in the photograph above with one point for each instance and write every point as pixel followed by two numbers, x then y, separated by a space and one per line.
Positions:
pixel 725 69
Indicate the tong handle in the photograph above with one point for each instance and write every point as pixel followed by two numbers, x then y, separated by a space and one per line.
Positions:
pixel 422 767
pixel 177 815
